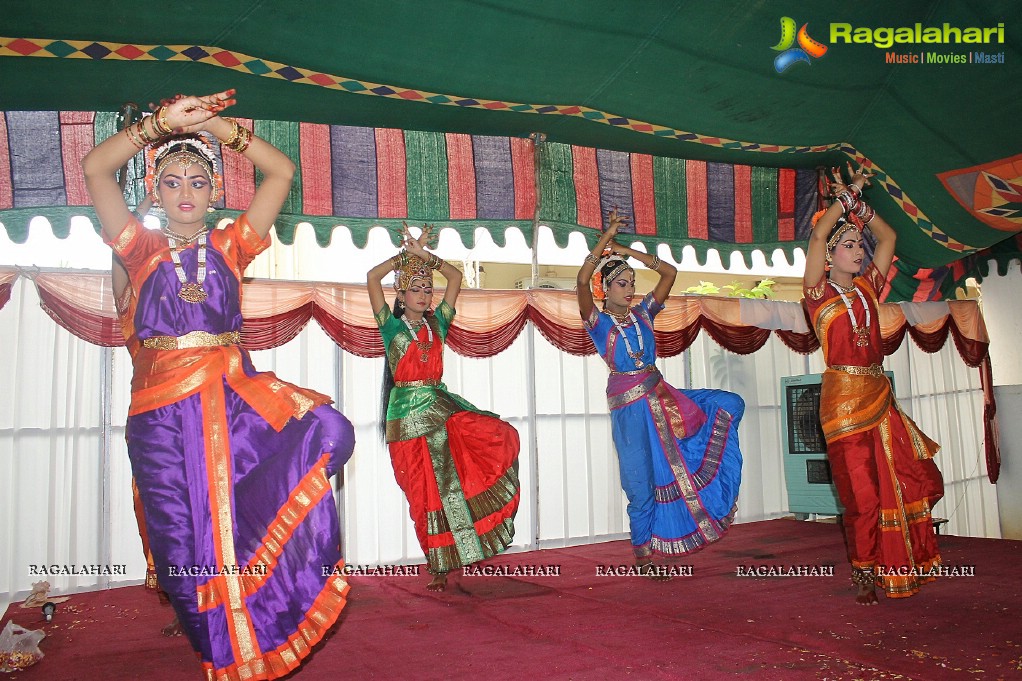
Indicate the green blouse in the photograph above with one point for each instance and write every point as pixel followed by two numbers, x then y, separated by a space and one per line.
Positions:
pixel 416 410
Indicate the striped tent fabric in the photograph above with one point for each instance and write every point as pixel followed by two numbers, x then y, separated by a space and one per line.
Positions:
pixel 363 177
pixel 677 201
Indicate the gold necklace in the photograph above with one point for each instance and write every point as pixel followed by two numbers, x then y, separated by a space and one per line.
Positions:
pixel 619 324
pixel 181 240
pixel 191 291
pixel 620 318
pixel 413 330
pixel 842 287
pixel 860 334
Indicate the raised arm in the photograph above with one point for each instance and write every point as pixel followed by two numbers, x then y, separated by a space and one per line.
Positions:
pixel 277 169
pixel 816 253
pixel 585 273
pixel 668 273
pixel 451 273
pixel 883 254
pixel 374 283
pixel 100 166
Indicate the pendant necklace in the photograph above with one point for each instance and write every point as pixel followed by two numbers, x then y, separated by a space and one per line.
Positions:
pixel 859 333
pixel 191 291
pixel 182 240
pixel 424 346
pixel 619 324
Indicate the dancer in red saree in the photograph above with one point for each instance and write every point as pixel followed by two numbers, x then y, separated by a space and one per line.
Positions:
pixel 457 465
pixel 881 462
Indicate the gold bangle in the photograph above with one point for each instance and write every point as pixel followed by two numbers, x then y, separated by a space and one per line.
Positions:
pixel 235 134
pixel 160 125
pixel 244 138
pixel 155 131
pixel 435 262
pixel 139 144
pixel 144 134
pixel 654 264
pixel 593 259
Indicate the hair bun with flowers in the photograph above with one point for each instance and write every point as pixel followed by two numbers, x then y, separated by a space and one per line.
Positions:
pixel 184 149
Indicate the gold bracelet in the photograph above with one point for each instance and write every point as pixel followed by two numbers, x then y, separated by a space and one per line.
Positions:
pixel 160 125
pixel 434 262
pixel 139 144
pixel 244 139
pixel 593 259
pixel 235 133
pixel 654 264
pixel 144 134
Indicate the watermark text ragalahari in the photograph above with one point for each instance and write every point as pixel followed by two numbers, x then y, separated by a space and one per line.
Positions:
pixel 74 569
pixel 511 571
pixel 644 570
pixel 370 570
pixel 763 570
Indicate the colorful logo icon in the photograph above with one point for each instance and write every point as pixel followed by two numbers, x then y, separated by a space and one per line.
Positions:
pixel 807 47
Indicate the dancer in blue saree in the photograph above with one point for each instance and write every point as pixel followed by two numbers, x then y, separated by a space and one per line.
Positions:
pixel 677 450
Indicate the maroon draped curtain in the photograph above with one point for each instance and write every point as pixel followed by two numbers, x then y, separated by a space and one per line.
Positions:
pixel 79 309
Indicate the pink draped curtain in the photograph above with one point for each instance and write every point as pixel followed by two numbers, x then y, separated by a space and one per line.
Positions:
pixel 488 322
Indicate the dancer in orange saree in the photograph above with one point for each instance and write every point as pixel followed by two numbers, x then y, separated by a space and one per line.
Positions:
pixel 457 465
pixel 882 464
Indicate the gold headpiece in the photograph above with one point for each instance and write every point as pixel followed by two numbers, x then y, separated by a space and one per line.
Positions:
pixel 185 151
pixel 599 282
pixel 412 267
pixel 843 225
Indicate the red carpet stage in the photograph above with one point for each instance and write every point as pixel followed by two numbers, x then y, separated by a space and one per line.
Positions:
pixel 580 624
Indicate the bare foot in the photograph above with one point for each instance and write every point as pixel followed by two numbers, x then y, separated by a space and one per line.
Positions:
pixel 649 569
pixel 865 581
pixel 173 629
pixel 438 583
pixel 867 595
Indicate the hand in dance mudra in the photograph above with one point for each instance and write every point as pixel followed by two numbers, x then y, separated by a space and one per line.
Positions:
pixel 189 113
pixel 417 245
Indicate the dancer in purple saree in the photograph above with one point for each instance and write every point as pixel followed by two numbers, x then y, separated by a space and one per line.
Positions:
pixel 677 450
pixel 232 465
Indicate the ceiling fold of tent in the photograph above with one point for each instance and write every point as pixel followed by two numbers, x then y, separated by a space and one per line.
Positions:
pixel 633 92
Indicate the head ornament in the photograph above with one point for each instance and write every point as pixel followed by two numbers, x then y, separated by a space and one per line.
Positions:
pixel 185 150
pixel 615 266
pixel 412 268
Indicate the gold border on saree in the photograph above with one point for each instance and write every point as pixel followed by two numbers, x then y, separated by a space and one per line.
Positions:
pixel 423 383
pixel 872 370
pixel 193 339
pixel 644 370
